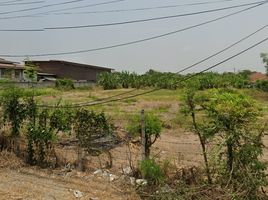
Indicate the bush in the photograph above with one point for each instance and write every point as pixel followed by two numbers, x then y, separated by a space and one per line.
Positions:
pixel 88 126
pixel 153 125
pixel 13 109
pixel 66 84
pixel 108 80
pixel 151 171
pixel 262 85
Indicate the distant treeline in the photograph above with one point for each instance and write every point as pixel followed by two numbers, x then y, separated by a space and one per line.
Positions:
pixel 168 80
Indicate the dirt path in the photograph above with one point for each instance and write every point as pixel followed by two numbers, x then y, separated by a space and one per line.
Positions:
pixel 29 184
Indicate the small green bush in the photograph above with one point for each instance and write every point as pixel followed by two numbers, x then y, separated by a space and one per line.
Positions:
pixel 153 125
pixel 13 109
pixel 65 84
pixel 151 171
pixel 262 85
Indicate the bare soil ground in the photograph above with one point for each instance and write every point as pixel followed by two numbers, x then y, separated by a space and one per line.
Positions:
pixel 35 184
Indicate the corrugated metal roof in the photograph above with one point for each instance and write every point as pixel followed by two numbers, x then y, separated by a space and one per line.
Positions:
pixel 71 63
pixel 6 64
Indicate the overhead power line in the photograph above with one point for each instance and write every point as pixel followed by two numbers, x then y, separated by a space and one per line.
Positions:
pixel 41 7
pixel 21 3
pixel 152 19
pixel 130 22
pixel 141 9
pixel 79 7
pixel 38 14
pixel 136 41
pixel 13 1
pixel 154 90
pixel 148 8
pixel 223 50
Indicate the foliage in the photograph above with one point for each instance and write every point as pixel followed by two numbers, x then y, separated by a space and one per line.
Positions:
pixel 61 119
pixel 262 85
pixel 166 80
pixel 13 108
pixel 231 118
pixel 43 126
pixel 89 125
pixel 264 57
pixel 151 171
pixel 65 84
pixel 235 116
pixel 108 80
pixel 30 71
pixel 215 80
pixel 40 137
pixel 203 129
pixel 153 127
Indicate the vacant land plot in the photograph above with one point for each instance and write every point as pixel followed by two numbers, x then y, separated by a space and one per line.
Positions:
pixel 176 144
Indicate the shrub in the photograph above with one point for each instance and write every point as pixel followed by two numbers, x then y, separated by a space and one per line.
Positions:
pixel 88 126
pixel 262 85
pixel 13 109
pixel 65 84
pixel 151 171
pixel 231 119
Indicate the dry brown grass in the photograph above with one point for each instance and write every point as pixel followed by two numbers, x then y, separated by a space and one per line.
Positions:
pixel 10 160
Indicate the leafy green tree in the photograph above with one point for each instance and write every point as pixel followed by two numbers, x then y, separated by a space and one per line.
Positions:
pixel 230 119
pixel 235 119
pixel 30 70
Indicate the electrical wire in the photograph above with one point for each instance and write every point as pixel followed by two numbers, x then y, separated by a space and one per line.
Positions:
pixel 142 9
pixel 22 3
pixel 130 22
pixel 223 50
pixel 152 19
pixel 79 7
pixel 147 8
pixel 157 89
pixel 136 41
pixel 40 7
pixel 196 63
pixel 37 14
pixel 13 1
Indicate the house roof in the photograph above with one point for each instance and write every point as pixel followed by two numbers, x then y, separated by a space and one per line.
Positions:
pixel 72 63
pixel 257 76
pixel 6 64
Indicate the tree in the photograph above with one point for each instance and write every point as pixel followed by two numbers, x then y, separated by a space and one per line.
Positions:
pixel 230 120
pixel 235 118
pixel 30 70
pixel 203 130
pixel 264 57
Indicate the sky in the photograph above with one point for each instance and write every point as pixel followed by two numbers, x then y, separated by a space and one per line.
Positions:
pixel 171 53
